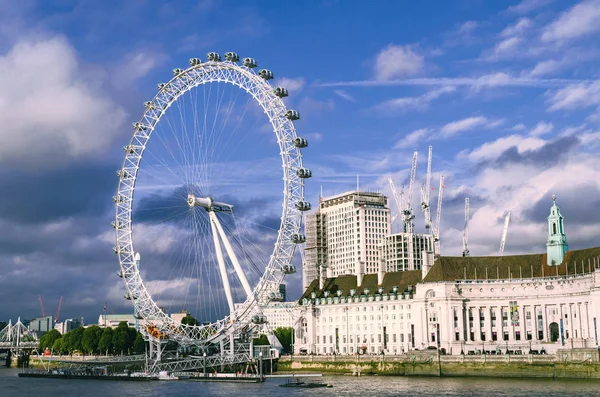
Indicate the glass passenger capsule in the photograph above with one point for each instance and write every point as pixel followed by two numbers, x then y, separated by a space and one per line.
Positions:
pixel 177 71
pixel 298 238
pixel 303 173
pixel 213 57
pixel 266 74
pixel 280 92
pixel 288 269
pixel 139 126
pixel 123 174
pixel 292 115
pixel 300 142
pixel 195 61
pixel 232 57
pixel 250 63
pixel 129 149
pixel 259 319
pixel 303 206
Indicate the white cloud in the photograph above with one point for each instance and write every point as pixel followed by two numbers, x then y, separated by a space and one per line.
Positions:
pixel 467 27
pixel 575 96
pixel 498 79
pixel 467 124
pixel 541 128
pixel 412 139
pixel 546 67
pixel 50 110
pixel 344 95
pixel 313 136
pixel 415 102
pixel 506 46
pixel 292 85
pixel 396 61
pixel 519 127
pixel 492 150
pixel 136 66
pixel 517 29
pixel 581 20
pixel 527 6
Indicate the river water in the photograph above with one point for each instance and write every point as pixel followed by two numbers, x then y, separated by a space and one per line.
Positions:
pixel 11 385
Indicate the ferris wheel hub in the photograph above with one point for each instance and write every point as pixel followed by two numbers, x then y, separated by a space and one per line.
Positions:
pixel 208 204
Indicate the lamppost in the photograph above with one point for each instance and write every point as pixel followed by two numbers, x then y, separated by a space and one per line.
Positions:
pixel 260 361
pixel 204 364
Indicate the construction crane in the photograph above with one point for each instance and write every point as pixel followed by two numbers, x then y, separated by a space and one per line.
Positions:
pixel 504 233
pixel 42 305
pixel 425 190
pixel 408 210
pixel 397 197
pixel 58 311
pixel 466 231
pixel 438 217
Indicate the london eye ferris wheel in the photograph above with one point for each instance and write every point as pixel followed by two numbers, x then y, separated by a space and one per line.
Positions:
pixel 213 202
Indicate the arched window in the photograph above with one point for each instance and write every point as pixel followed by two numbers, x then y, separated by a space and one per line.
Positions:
pixel 554 228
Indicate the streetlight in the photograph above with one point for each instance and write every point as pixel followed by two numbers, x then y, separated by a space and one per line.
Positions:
pixel 260 361
pixel 204 364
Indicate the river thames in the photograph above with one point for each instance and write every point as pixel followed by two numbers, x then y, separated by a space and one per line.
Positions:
pixel 11 385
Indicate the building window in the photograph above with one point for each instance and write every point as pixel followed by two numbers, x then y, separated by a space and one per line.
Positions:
pixel 529 335
pixel 517 335
pixel 483 336
pixel 494 336
pixel 505 336
pixel 457 336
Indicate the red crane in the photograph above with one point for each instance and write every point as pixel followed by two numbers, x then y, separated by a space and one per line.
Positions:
pixel 58 311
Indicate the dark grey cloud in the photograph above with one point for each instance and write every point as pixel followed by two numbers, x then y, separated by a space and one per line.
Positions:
pixel 40 197
pixel 574 202
pixel 552 153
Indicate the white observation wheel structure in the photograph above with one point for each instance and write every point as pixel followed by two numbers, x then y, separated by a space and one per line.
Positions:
pixel 194 150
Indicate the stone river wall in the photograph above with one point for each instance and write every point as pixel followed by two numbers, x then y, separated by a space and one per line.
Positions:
pixel 566 364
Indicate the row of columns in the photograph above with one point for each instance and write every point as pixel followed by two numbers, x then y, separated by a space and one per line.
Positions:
pixel 577 322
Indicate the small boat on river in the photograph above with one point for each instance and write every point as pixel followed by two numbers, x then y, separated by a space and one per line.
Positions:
pixel 303 384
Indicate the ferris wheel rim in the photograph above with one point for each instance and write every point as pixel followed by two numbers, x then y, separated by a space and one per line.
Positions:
pixel 168 94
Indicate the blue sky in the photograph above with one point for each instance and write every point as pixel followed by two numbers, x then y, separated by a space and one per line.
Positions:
pixel 506 92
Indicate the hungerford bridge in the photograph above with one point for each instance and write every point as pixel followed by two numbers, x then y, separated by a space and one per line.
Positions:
pixel 17 338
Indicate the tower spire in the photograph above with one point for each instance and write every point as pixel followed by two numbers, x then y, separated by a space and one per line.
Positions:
pixel 556 245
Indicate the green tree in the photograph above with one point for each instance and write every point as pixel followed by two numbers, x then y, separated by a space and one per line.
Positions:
pixel 189 320
pixel 3 325
pixel 122 341
pixel 72 340
pixel 105 345
pixel 91 338
pixel 139 345
pixel 285 335
pixel 59 347
pixel 261 340
pixel 47 340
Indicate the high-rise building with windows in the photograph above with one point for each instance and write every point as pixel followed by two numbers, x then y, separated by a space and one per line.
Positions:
pixel 345 235
pixel 396 252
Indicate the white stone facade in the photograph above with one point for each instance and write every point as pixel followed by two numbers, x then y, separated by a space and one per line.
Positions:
pixel 469 316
